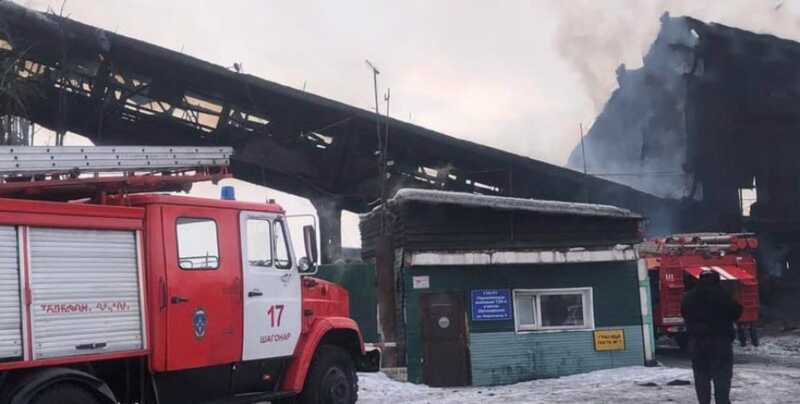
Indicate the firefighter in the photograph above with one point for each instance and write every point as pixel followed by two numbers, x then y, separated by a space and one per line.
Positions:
pixel 710 312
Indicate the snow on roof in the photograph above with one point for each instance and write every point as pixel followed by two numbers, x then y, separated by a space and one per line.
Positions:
pixel 508 203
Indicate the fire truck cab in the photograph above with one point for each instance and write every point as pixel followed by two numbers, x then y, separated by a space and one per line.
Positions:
pixel 165 299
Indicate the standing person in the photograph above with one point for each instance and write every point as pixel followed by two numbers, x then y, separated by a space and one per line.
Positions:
pixel 710 312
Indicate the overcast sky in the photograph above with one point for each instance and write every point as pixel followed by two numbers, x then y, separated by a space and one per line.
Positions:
pixel 517 75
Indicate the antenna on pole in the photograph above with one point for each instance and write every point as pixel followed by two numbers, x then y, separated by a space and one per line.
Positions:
pixel 375 73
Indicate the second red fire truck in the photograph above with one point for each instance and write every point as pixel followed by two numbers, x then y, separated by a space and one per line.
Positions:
pixel 675 264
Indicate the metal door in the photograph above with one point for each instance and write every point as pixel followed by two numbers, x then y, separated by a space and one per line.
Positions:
pixel 271 293
pixel 204 303
pixel 444 334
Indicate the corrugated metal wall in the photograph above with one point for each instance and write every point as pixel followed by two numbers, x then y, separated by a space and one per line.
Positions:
pixel 10 303
pixel 508 357
pixel 85 288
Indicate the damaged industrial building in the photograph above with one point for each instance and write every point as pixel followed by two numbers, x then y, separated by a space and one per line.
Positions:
pixel 710 120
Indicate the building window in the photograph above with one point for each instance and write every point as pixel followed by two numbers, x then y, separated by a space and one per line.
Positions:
pixel 198 248
pixel 259 246
pixel 553 309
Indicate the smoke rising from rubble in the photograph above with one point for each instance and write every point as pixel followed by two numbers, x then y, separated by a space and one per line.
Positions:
pixel 595 37
pixel 639 140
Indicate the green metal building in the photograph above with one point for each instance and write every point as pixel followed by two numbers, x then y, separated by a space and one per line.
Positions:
pixel 359 281
pixel 492 290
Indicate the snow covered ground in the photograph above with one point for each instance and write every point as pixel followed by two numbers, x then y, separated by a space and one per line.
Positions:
pixel 769 374
pixel 783 346
pixel 753 383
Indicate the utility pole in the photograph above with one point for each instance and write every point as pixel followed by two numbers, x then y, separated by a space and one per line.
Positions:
pixel 385 151
pixel 375 73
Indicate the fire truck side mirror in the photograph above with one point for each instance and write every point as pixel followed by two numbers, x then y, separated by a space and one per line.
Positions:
pixel 310 240
pixel 306 267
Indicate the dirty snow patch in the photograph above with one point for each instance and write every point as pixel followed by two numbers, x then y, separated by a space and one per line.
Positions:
pixel 778 346
pixel 752 384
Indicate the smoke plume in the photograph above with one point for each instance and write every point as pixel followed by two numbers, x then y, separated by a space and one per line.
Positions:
pixel 595 37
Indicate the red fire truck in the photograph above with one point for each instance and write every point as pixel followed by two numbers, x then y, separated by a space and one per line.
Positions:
pixel 675 263
pixel 108 295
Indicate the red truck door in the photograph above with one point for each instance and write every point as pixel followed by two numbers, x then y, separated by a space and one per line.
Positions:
pixel 672 289
pixel 204 308
pixel 271 295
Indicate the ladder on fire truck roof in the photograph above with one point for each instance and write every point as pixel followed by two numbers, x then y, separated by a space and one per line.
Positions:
pixel 700 242
pixel 75 172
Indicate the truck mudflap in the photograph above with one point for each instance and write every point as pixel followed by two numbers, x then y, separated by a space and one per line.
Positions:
pixel 370 360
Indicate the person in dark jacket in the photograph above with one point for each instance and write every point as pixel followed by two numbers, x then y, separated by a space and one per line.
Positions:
pixel 710 312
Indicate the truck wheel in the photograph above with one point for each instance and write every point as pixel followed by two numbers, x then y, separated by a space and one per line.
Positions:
pixel 332 378
pixel 65 393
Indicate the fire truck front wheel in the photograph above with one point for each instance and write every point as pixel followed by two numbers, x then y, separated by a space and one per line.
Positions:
pixel 65 393
pixel 332 378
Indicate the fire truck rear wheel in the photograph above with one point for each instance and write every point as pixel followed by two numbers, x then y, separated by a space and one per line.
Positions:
pixel 65 393
pixel 332 378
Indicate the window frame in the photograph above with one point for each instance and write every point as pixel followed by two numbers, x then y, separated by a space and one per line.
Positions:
pixel 587 294
pixel 178 243
pixel 270 239
pixel 287 244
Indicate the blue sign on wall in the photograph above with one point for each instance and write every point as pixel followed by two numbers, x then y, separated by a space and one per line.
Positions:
pixel 491 304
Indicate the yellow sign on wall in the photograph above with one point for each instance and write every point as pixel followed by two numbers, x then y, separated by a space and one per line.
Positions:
pixel 609 340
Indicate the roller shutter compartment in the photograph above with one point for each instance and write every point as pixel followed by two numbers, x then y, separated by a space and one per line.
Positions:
pixel 10 304
pixel 86 297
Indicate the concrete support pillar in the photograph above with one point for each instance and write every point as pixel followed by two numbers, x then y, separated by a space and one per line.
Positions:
pixel 329 212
